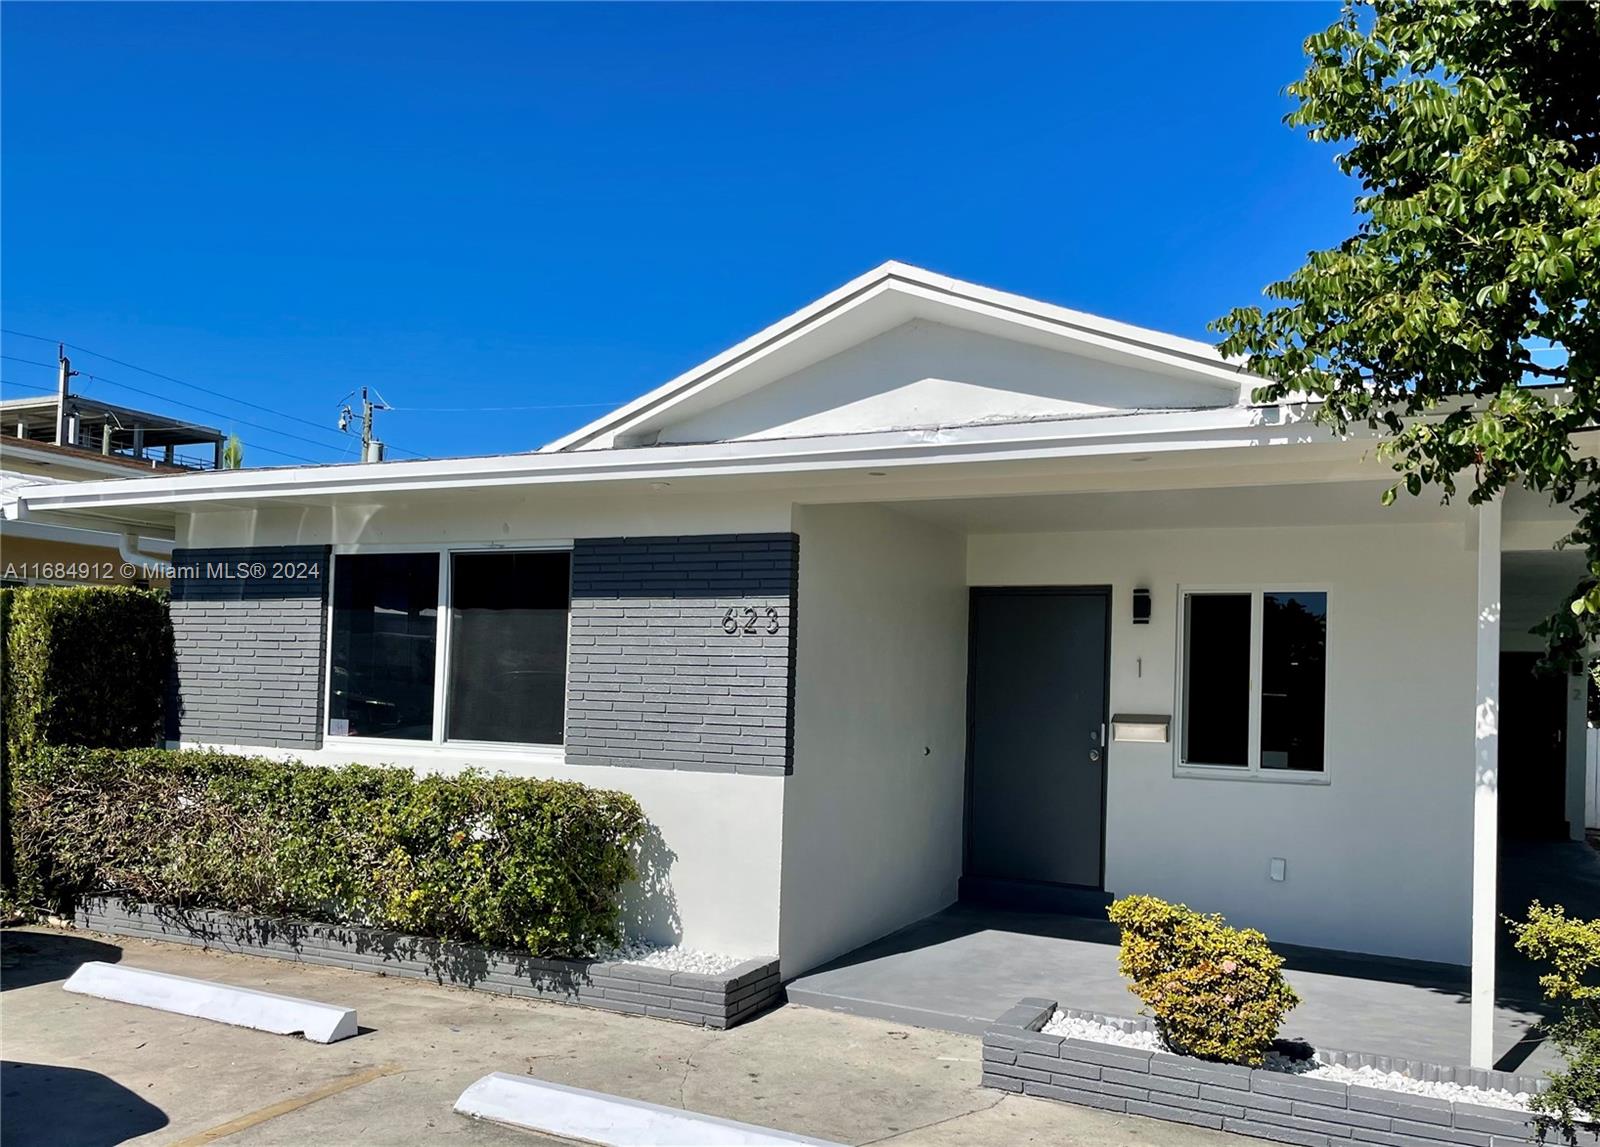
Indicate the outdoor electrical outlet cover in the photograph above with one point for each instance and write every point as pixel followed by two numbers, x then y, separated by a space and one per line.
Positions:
pixel 206 1000
pixel 595 1117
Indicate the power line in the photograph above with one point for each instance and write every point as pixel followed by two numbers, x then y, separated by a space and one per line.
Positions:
pixel 25 385
pixel 29 362
pixel 490 409
pixel 169 378
pixel 192 386
pixel 213 413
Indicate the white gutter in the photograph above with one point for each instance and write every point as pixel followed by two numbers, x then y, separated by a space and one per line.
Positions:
pixel 1219 428
pixel 128 550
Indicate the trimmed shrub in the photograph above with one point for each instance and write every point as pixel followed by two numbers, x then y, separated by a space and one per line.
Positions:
pixel 85 665
pixel 1571 948
pixel 534 865
pixel 1214 992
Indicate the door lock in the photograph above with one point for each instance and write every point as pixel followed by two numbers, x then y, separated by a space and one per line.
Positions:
pixel 1094 755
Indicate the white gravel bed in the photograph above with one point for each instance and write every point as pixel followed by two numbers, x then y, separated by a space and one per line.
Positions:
pixel 1063 1025
pixel 674 957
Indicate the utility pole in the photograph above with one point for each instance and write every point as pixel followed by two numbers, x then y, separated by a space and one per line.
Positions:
pixel 371 448
pixel 63 393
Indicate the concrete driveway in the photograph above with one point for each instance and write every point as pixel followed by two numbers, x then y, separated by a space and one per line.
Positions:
pixel 88 1072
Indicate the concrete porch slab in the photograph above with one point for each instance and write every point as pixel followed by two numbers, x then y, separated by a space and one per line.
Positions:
pixel 960 968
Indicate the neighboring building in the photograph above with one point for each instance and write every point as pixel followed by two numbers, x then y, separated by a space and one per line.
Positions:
pixel 89 426
pixel 97 441
pixel 926 590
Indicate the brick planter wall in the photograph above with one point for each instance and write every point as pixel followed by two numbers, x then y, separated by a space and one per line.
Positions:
pixel 719 1001
pixel 1019 1058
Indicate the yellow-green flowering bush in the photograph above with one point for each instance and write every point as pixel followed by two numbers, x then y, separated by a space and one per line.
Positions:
pixel 1214 992
pixel 1571 949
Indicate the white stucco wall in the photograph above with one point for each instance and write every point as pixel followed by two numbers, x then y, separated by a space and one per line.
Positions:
pixel 1379 857
pixel 873 812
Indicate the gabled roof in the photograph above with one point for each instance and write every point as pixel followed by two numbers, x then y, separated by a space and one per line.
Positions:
pixel 885 297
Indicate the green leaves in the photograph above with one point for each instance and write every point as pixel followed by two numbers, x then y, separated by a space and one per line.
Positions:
pixel 1570 949
pixel 531 865
pixel 1466 293
pixel 85 664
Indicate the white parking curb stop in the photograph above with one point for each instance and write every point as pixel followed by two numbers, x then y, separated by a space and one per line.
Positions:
pixel 203 999
pixel 595 1117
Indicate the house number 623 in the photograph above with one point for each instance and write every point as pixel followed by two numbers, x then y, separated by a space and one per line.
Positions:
pixel 748 619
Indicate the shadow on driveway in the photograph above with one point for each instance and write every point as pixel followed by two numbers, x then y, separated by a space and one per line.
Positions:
pixel 44 1104
pixel 29 958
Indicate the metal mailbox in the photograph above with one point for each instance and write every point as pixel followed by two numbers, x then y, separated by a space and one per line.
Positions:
pixel 1147 728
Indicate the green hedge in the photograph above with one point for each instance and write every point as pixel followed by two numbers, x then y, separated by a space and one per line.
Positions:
pixel 84 665
pixel 511 863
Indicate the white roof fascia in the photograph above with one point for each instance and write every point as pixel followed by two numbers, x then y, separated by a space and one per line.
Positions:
pixel 1198 360
pixel 1215 428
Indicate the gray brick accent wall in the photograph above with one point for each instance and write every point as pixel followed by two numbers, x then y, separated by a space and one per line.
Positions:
pixel 656 680
pixel 248 640
pixel 1019 1058
pixel 719 1001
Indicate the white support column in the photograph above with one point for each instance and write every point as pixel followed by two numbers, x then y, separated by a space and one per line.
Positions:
pixel 1486 787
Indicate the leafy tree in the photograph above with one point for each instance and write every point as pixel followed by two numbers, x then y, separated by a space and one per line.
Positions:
pixel 1458 321
pixel 233 453
pixel 1571 949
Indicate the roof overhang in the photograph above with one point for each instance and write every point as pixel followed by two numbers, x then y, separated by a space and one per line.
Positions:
pixel 886 297
pixel 911 456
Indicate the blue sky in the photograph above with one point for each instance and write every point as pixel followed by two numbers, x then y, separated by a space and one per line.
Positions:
pixel 488 206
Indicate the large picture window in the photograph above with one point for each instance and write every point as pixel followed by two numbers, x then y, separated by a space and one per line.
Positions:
pixel 491 625
pixel 1254 682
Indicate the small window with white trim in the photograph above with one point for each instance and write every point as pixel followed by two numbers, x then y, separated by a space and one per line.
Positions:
pixel 1254 682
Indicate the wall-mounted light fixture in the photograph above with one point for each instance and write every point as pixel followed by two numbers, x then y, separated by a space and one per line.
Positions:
pixel 1141 607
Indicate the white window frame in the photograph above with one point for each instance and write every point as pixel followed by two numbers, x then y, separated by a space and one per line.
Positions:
pixel 556 753
pixel 1251 770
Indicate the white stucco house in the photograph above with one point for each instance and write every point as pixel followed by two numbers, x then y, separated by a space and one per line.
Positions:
pixel 927 590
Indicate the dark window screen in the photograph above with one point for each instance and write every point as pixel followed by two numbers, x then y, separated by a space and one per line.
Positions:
pixel 1294 680
pixel 1216 679
pixel 385 629
pixel 508 647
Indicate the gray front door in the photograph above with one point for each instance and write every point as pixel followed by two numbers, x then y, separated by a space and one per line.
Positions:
pixel 1036 773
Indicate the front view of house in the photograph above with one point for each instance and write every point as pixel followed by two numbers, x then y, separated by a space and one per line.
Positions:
pixel 925 591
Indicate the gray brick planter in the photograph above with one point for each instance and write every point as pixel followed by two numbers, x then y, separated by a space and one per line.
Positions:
pixel 719 1001
pixel 1019 1058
